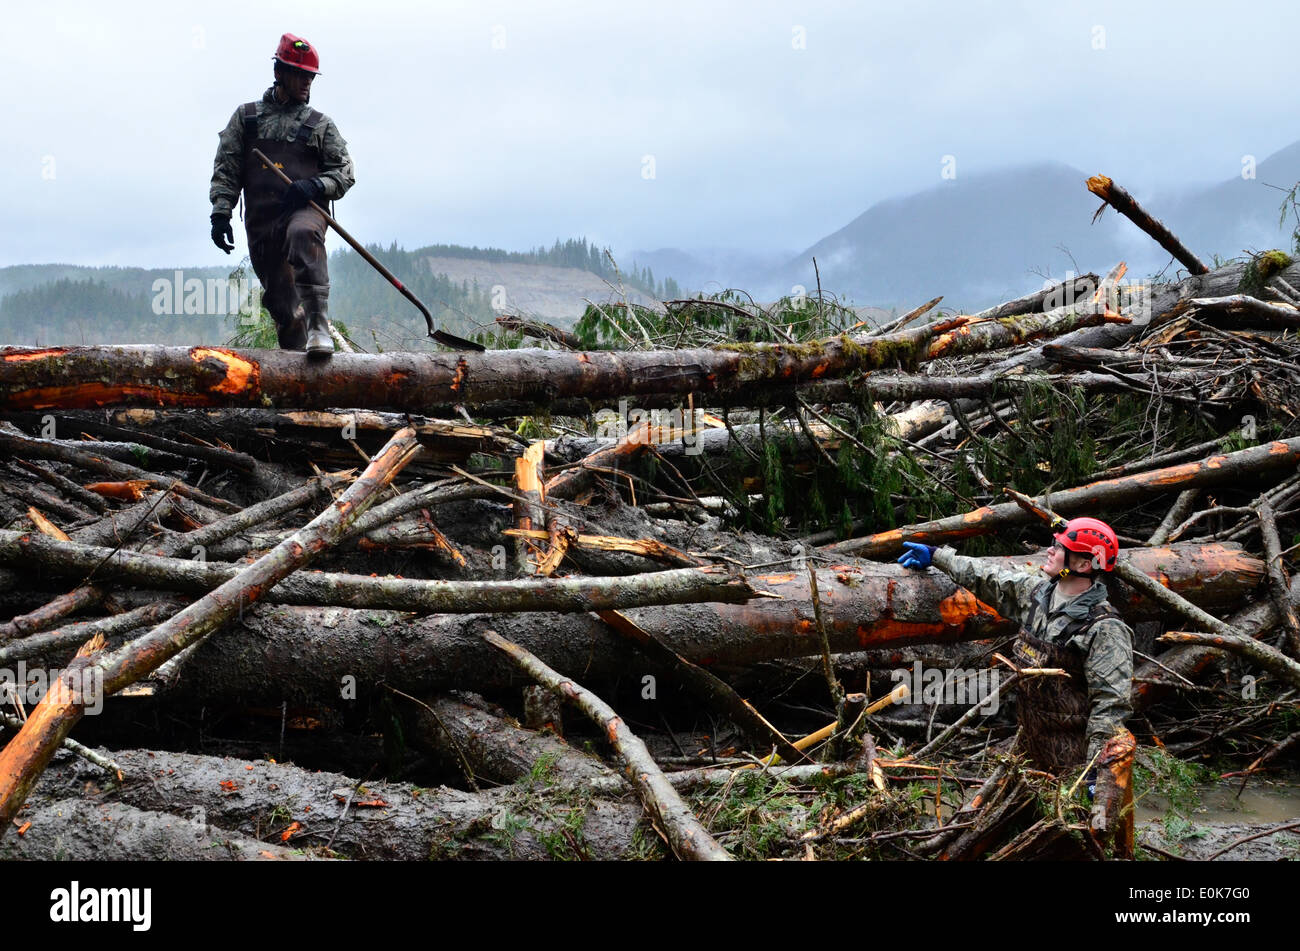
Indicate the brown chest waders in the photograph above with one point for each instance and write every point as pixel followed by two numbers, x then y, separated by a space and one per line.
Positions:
pixel 287 248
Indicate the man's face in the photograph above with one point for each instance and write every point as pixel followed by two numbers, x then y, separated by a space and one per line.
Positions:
pixel 295 82
pixel 1058 558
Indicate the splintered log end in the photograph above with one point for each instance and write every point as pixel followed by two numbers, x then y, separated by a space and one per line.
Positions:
pixel 1100 186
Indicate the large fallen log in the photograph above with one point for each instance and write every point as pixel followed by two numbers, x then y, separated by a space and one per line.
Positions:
pixel 866 606
pixel 86 377
pixel 371 820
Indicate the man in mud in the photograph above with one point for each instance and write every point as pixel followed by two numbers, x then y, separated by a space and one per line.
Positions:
pixel 1076 722
pixel 286 236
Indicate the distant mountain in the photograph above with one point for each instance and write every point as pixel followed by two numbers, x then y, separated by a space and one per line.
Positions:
pixel 976 239
pixel 981 239
pixel 1240 214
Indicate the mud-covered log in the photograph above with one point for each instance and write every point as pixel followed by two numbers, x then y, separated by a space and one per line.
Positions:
pixel 72 830
pixel 495 749
pixel 87 377
pixel 1229 468
pixel 704 685
pixel 371 820
pixel 18 446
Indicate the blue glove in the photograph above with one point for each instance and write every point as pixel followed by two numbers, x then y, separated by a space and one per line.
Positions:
pixel 917 555
pixel 1091 780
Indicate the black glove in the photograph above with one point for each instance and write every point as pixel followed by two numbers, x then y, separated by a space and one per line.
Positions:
pixel 222 236
pixel 302 191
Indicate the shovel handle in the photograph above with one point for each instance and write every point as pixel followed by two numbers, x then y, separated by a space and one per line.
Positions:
pixel 447 339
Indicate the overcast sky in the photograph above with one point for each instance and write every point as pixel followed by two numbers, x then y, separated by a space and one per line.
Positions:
pixel 769 124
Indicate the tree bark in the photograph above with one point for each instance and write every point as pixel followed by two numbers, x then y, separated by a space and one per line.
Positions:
pixel 86 377
pixel 870 606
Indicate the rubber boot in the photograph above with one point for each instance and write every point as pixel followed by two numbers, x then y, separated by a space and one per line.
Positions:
pixel 315 303
pixel 293 335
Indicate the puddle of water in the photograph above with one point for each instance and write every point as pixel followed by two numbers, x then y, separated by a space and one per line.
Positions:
pixel 1263 801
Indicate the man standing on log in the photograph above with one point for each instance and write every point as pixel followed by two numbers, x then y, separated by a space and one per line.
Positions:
pixel 286 236
pixel 1067 621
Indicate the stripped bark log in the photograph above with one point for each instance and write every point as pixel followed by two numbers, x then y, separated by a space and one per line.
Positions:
pixel 1079 288
pixel 1096 496
pixel 1013 331
pixel 1245 310
pixel 1257 652
pixel 688 838
pixel 23 759
pixel 1152 680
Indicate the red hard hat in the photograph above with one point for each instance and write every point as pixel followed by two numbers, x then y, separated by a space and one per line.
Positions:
pixel 296 52
pixel 1091 536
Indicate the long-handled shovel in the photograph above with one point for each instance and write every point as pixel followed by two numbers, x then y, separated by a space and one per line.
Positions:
pixel 444 338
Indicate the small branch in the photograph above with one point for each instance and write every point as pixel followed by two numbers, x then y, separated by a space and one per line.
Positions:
pixel 688 838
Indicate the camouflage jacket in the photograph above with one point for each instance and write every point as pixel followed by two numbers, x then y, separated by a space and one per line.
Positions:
pixel 1106 647
pixel 278 121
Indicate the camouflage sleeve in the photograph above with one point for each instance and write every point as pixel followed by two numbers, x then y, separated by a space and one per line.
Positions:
pixel 227 169
pixel 1006 590
pixel 1109 669
pixel 337 172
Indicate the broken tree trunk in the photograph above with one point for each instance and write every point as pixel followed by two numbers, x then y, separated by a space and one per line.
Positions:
pixel 1127 205
pixel 23 759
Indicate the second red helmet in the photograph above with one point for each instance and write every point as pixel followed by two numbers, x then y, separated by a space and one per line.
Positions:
pixel 1091 536
pixel 296 52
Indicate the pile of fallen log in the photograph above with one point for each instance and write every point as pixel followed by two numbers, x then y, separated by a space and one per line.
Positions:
pixel 635 602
